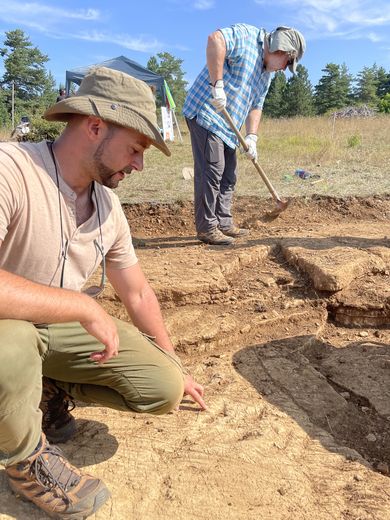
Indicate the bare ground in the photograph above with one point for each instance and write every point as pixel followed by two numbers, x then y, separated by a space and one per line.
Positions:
pixel 288 330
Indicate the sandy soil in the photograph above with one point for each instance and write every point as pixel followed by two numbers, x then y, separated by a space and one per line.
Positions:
pixel 288 330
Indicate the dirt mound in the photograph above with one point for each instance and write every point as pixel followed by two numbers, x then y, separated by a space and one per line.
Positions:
pixel 289 332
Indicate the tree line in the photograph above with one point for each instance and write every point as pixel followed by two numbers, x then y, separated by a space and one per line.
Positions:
pixel 29 88
pixel 336 89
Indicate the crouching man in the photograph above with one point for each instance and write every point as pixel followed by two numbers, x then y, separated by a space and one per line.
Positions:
pixel 59 220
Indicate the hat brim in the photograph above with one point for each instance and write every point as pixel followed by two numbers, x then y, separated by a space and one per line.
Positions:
pixel 108 111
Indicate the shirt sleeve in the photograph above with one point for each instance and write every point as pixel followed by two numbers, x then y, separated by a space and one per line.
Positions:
pixel 121 254
pixel 235 38
pixel 10 191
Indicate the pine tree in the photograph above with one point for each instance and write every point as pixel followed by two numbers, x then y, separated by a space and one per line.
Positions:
pixel 383 82
pixel 170 69
pixel 333 89
pixel 299 94
pixel 274 105
pixel 366 86
pixel 25 71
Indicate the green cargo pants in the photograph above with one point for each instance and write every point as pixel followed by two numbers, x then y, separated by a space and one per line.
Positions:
pixel 142 378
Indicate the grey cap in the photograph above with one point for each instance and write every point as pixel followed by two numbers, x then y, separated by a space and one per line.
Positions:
pixel 287 39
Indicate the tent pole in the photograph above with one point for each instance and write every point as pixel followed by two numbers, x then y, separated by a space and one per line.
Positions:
pixel 177 126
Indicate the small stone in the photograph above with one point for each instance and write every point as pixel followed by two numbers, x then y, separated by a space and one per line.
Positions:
pixel 363 334
pixel 346 395
pixel 268 281
pixel 377 334
pixel 245 329
pixel 365 409
pixel 371 437
pixel 187 173
pixel 282 491
pixel 358 477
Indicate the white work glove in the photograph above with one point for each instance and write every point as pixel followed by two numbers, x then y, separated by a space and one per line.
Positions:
pixel 219 96
pixel 251 142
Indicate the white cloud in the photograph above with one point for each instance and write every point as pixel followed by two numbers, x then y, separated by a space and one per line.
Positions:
pixel 338 17
pixel 14 11
pixel 138 43
pixel 204 5
pixel 50 20
pixel 41 17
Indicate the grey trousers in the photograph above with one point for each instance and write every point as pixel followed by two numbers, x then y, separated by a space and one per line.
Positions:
pixel 215 176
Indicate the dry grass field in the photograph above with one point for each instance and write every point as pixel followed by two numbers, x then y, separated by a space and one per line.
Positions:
pixel 351 157
pixel 288 330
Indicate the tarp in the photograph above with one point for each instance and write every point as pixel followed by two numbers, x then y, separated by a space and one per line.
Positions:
pixel 124 65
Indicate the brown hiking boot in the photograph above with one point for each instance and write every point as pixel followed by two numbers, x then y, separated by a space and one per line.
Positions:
pixel 235 231
pixel 215 237
pixel 48 480
pixel 57 423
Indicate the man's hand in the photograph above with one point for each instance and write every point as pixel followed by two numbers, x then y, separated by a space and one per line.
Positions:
pixel 251 142
pixel 195 390
pixel 219 96
pixel 103 328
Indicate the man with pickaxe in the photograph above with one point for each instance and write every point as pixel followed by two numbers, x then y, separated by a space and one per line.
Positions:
pixel 240 60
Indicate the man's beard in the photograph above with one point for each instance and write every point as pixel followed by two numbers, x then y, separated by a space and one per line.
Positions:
pixel 104 173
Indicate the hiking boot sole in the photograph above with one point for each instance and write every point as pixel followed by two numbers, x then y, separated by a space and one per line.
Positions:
pixel 236 234
pixel 101 497
pixel 217 242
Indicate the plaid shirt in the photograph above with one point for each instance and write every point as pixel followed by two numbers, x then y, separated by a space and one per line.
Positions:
pixel 246 84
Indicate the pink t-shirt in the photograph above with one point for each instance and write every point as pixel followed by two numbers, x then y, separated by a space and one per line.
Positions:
pixel 30 226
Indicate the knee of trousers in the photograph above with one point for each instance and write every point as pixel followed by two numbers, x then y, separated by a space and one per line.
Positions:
pixel 20 356
pixel 161 394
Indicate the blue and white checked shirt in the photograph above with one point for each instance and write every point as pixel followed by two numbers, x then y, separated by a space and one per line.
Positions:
pixel 246 85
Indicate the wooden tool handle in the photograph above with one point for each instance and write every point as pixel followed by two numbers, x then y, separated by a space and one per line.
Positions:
pixel 259 169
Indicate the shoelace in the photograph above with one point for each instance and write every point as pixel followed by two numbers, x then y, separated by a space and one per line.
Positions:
pixel 59 403
pixel 53 475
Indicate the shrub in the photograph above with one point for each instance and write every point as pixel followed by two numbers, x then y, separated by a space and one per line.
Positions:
pixel 40 129
pixel 384 104
pixel 354 140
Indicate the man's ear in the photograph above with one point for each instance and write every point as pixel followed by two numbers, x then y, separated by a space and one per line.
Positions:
pixel 94 126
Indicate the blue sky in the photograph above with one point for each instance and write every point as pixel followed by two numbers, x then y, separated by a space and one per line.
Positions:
pixel 83 32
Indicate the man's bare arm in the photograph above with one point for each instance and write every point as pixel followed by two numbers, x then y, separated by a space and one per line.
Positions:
pixel 21 299
pixel 143 308
pixel 215 54
pixel 141 303
pixel 253 121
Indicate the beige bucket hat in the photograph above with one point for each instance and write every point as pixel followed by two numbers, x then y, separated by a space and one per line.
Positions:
pixel 290 40
pixel 115 97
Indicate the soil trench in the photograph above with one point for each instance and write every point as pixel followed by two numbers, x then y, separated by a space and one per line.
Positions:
pixel 288 331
